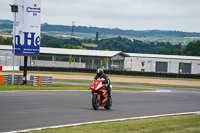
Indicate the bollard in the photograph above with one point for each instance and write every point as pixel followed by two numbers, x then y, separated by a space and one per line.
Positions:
pixel 40 81
pixel 1 79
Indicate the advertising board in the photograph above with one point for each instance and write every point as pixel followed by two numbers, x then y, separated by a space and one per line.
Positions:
pixel 27 27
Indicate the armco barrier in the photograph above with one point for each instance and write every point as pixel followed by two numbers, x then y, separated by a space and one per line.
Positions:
pixel 131 73
pixel 18 80
pixel 40 80
pixel 46 80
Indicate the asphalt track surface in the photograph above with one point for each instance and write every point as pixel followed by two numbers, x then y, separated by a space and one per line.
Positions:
pixel 21 110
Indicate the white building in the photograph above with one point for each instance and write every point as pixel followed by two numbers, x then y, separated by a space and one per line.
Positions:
pixel 162 63
pixel 93 59
pixel 59 57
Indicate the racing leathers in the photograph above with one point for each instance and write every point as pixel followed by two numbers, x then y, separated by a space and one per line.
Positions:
pixel 106 82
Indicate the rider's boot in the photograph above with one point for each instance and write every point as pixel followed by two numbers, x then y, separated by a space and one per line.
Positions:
pixel 109 98
pixel 109 95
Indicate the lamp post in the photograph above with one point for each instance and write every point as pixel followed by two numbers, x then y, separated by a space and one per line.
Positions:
pixel 6 59
pixel 131 65
pixel 14 9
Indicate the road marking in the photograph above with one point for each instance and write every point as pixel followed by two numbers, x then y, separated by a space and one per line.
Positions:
pixel 76 91
pixel 163 91
pixel 112 120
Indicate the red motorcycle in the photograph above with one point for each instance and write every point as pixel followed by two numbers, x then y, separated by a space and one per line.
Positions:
pixel 100 96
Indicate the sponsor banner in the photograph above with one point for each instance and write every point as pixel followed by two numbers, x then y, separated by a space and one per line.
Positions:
pixel 28 27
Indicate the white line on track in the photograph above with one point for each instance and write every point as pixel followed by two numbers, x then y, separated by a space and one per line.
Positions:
pixel 75 91
pixel 112 120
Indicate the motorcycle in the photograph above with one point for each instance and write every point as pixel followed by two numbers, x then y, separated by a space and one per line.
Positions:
pixel 100 96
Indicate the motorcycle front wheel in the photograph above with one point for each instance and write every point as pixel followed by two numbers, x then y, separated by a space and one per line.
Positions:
pixel 95 102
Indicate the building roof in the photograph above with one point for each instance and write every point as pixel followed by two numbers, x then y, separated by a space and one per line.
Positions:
pixel 102 53
pixel 164 56
pixel 73 52
pixel 80 52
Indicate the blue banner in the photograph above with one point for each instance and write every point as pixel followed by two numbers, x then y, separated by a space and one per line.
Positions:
pixel 27 27
pixel 29 45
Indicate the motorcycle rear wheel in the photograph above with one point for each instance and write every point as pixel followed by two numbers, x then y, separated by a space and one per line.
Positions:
pixel 95 102
pixel 109 104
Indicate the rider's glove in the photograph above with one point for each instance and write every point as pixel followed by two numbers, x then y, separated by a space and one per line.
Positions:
pixel 105 86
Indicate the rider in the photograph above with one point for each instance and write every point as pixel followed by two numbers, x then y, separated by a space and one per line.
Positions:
pixel 101 76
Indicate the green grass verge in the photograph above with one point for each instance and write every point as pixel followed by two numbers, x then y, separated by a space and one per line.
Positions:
pixel 128 83
pixel 74 80
pixel 123 76
pixel 161 85
pixel 60 73
pixel 110 75
pixel 168 124
pixel 60 87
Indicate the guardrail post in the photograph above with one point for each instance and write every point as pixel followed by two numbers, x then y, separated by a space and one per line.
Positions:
pixel 34 82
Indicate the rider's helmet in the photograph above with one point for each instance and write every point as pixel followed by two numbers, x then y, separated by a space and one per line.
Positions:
pixel 100 72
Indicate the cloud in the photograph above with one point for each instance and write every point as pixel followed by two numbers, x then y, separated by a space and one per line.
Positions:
pixel 126 14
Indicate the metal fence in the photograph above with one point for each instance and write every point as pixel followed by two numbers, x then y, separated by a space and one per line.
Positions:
pixel 18 79
pixel 5 79
pixel 33 80
pixel 116 72
pixel 46 80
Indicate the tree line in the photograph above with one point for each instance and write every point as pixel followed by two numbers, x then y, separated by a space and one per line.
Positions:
pixel 7 24
pixel 5 41
pixel 135 46
pixel 117 31
pixel 118 44
pixel 54 42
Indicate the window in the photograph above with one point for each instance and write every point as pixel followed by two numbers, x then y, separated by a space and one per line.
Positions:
pixel 44 57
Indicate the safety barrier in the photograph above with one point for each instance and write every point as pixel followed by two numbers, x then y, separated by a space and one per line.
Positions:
pixel 46 80
pixel 7 79
pixel 18 79
pixel 40 80
pixel 116 72
pixel 32 80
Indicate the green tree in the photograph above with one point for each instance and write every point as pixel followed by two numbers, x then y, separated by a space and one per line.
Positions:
pixel 142 63
pixel 5 41
pixel 68 46
pixel 70 59
pixel 181 65
pixel 106 61
pixel 55 42
pixel 192 49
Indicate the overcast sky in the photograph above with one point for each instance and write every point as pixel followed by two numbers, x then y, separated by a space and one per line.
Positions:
pixel 179 15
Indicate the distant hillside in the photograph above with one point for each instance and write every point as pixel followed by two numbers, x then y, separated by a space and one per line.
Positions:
pixel 118 32
pixel 6 24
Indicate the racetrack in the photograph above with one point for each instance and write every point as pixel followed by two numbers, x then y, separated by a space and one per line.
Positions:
pixel 21 110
